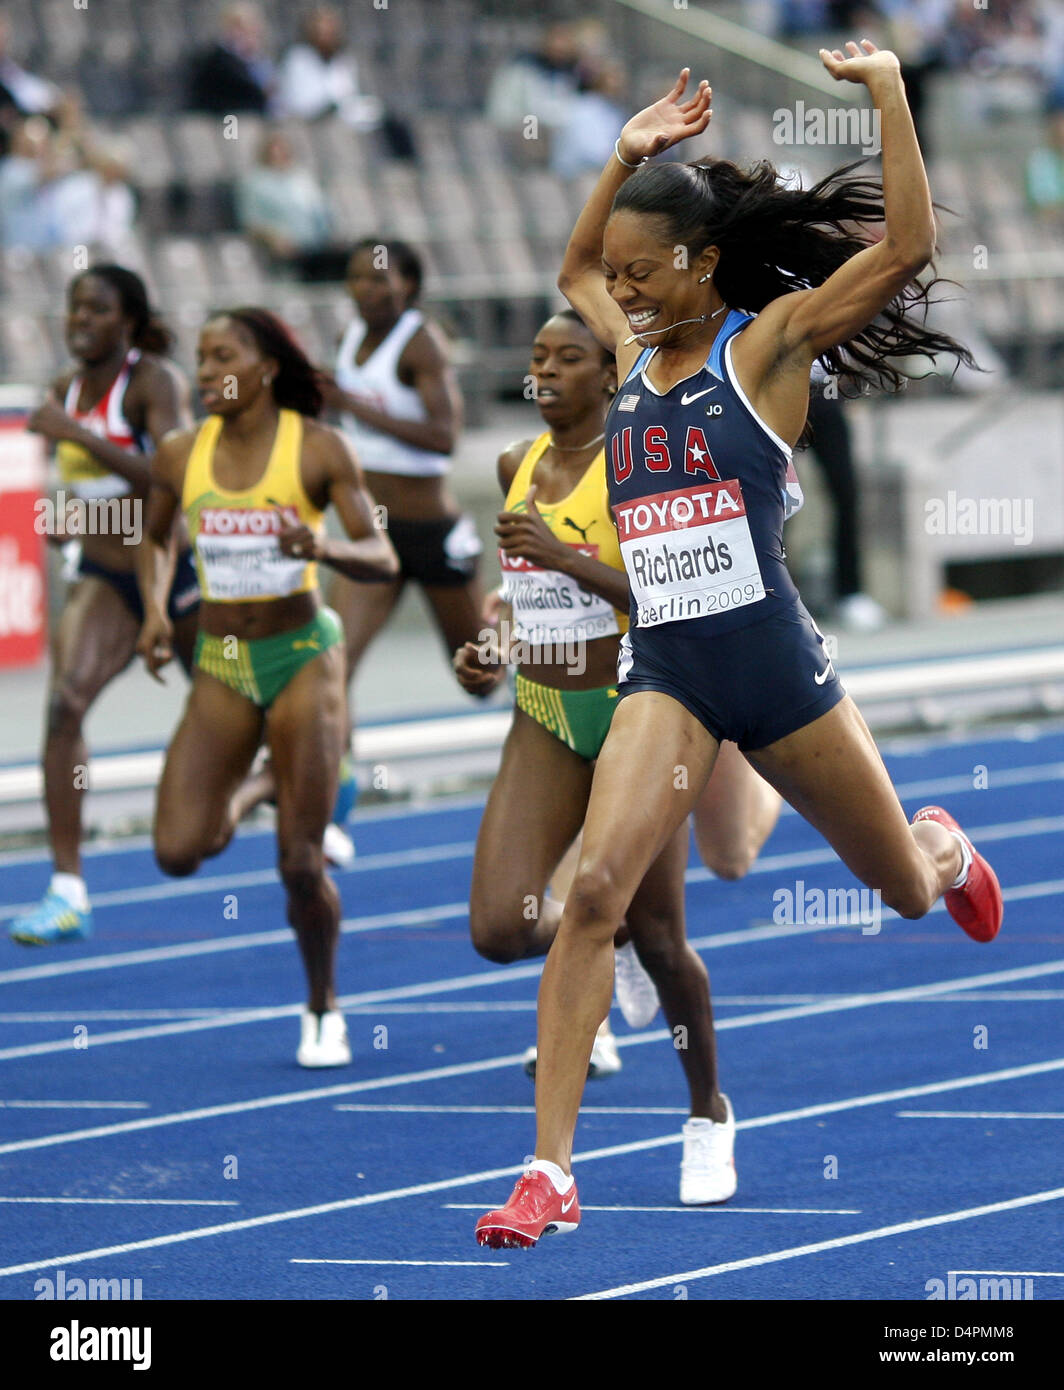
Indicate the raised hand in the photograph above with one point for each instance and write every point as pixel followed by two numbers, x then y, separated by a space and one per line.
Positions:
pixel 667 122
pixel 860 67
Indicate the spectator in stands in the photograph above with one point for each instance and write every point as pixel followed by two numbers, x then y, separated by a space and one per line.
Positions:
pixel 284 210
pixel 1045 165
pixel 543 83
pixel 319 76
pixel 234 74
pixel 21 93
pixel 21 90
pixel 584 143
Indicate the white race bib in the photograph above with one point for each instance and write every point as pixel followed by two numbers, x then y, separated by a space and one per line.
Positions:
pixel 550 607
pixel 241 555
pixel 689 553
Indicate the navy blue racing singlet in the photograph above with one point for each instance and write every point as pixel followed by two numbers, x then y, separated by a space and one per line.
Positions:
pixel 700 488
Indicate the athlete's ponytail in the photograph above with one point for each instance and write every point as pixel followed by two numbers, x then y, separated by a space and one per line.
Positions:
pixel 149 331
pixel 296 385
pixel 774 239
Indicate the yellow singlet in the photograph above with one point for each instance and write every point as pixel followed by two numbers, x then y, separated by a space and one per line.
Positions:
pixel 549 606
pixel 235 534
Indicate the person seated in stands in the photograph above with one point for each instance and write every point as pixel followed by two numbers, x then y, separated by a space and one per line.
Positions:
pixel 1044 175
pixel 543 83
pixel 595 122
pixel 234 74
pixel 21 93
pixel 319 76
pixel 282 208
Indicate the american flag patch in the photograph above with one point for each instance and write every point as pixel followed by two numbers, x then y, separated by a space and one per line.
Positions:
pixel 628 402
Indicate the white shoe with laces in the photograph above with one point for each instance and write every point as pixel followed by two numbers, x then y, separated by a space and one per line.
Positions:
pixel 637 995
pixel 323 1040
pixel 707 1172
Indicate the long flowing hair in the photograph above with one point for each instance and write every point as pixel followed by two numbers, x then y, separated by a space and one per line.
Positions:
pixel 774 239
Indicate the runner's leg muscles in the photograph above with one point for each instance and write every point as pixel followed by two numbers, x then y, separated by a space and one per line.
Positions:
pixel 534 811
pixel 208 756
pixel 653 766
pixel 832 774
pixel 305 730
pixel 734 816
pixel 95 641
pixel 656 923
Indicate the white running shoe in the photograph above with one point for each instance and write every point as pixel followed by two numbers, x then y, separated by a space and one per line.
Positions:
pixel 338 846
pixel 323 1041
pixel 637 995
pixel 707 1173
pixel 860 613
pixel 605 1059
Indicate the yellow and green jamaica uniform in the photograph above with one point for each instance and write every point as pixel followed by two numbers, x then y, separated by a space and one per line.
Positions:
pixel 551 609
pixel 239 560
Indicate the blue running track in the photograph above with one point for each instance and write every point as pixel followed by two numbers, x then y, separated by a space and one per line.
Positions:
pixel 900 1093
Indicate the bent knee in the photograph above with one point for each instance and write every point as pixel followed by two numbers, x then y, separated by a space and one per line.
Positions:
pixel 497 941
pixel 177 861
pixel 67 707
pixel 302 870
pixel 911 902
pixel 595 899
pixel 728 861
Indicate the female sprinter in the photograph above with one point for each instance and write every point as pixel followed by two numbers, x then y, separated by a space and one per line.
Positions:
pixel 253 482
pixel 400 406
pixel 660 265
pixel 566 597
pixel 104 417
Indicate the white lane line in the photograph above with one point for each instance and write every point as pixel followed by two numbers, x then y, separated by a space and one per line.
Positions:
pixel 860 1001
pixel 987 834
pixel 137 844
pixel 502 1006
pixel 980 1115
pixel 115 1015
pixel 517 1109
pixel 1042 825
pixel 723 1209
pixel 152 955
pixel 745 936
pixel 942 786
pixel 491 1174
pixel 838 1243
pixel 256 878
pixel 122 1201
pixel 500 1264
pixel 74 1105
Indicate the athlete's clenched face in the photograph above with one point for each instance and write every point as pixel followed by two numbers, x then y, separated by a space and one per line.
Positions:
pixel 654 282
pixel 96 327
pixel 572 377
pixel 380 293
pixel 231 371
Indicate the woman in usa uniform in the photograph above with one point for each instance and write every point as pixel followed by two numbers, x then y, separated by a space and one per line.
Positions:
pixel 718 289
